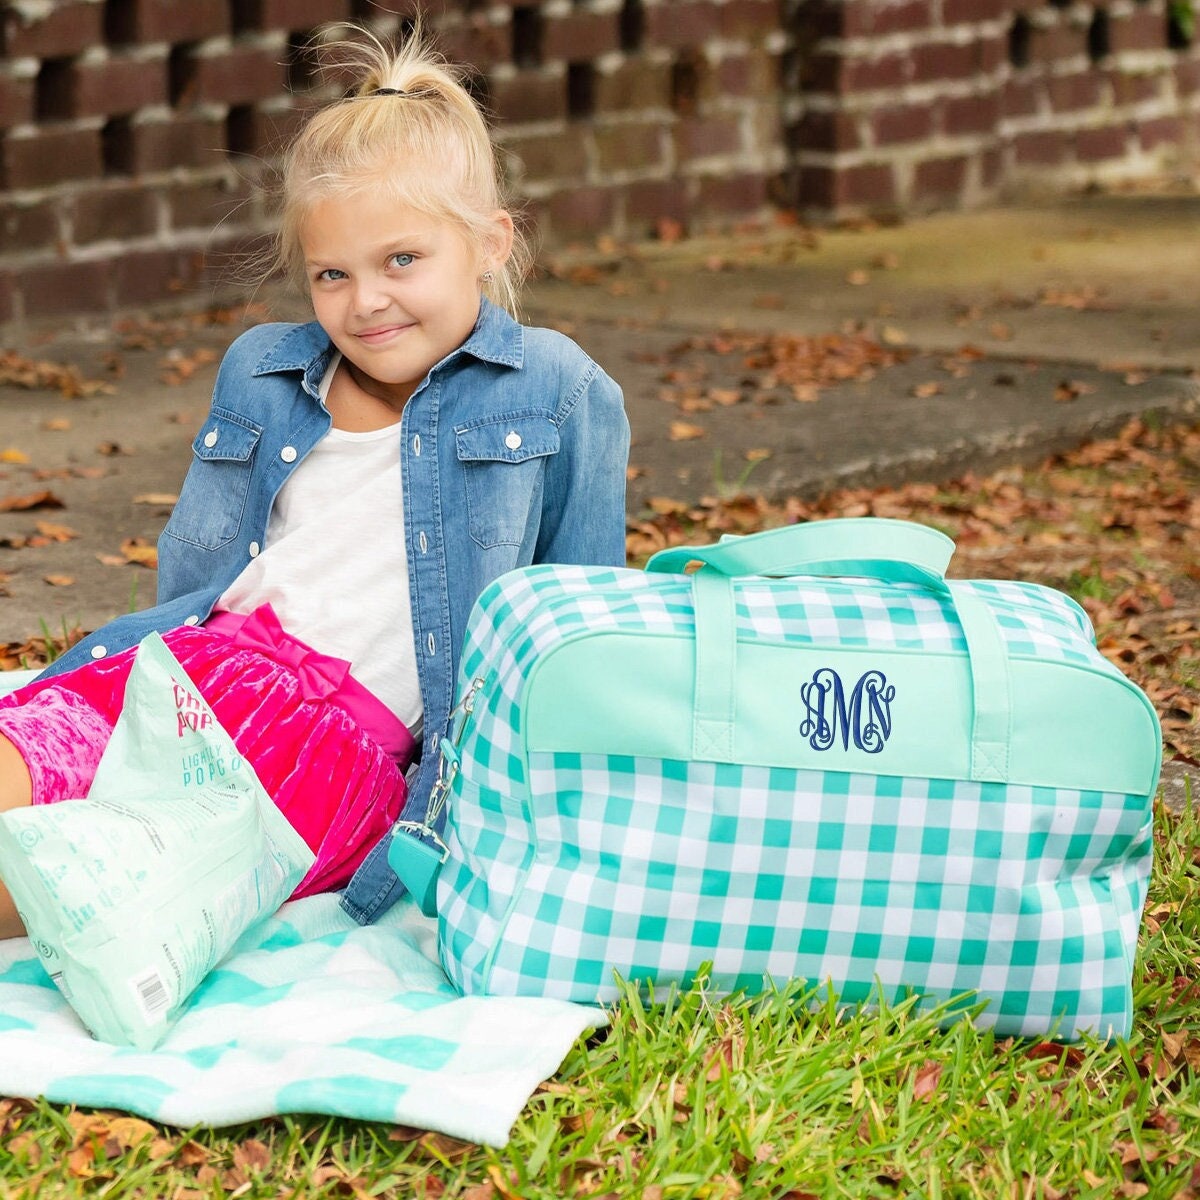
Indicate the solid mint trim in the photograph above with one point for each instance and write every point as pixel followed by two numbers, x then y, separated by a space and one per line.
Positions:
pixel 877 547
pixel 716 667
pixel 631 694
pixel 991 688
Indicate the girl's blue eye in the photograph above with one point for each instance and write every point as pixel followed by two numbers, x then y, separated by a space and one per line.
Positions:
pixel 331 274
pixel 403 260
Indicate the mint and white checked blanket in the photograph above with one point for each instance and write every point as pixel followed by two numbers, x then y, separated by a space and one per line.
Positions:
pixel 310 1013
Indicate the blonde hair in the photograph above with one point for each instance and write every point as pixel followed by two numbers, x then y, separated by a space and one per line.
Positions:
pixel 423 139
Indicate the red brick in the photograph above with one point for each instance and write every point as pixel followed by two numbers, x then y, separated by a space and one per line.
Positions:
pixel 65 29
pixel 8 297
pixel 940 178
pixel 25 227
pixel 704 137
pixel 826 130
pixel 635 84
pixel 1142 29
pixel 57 288
pixel 869 185
pixel 478 43
pixel 169 21
pixel 656 200
pixel 991 168
pixel 291 14
pixel 907 16
pixel 242 75
pixel 894 124
pixel 580 211
pixel 1187 76
pixel 1131 88
pixel 529 96
pixel 53 154
pixel 1044 148
pixel 112 213
pixel 630 147
pixel 732 195
pixel 551 155
pixel 1056 42
pixel 971 12
pixel 1160 131
pixel 260 131
pixel 754 74
pixel 204 205
pixel 937 61
pixel 991 53
pixel 152 276
pixel 1069 93
pixel 1021 97
pixel 1096 145
pixel 682 23
pixel 120 85
pixel 146 147
pixel 874 74
pixel 580 36
pixel 753 19
pixel 970 114
pixel 16 99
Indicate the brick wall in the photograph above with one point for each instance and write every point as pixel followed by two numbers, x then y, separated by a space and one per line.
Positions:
pixel 910 105
pixel 132 132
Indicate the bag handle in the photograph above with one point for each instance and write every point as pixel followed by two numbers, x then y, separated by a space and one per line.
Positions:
pixel 714 715
pixel 878 547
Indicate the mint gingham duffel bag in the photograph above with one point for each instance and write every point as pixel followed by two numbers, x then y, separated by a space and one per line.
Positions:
pixel 813 758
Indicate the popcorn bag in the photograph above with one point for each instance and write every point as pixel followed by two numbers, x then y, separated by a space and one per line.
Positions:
pixel 132 895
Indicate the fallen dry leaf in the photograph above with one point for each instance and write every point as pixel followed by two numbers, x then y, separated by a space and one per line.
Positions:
pixel 33 500
pixel 168 498
pixel 56 533
pixel 13 455
pixel 138 550
pixel 59 580
pixel 682 431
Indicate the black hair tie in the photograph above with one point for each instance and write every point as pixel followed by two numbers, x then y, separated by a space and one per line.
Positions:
pixel 387 92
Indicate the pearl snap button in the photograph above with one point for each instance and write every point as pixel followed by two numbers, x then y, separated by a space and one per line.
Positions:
pixel 192 620
pixel 513 441
pixel 99 651
pixel 423 542
pixel 288 454
pixel 416 444
pixel 254 549
pixel 210 438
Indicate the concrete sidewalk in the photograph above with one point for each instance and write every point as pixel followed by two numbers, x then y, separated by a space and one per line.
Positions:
pixel 967 341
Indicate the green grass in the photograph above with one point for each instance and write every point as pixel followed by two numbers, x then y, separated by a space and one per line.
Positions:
pixel 779 1096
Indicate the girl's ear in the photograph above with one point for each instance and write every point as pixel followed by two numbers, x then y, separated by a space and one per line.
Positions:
pixel 499 242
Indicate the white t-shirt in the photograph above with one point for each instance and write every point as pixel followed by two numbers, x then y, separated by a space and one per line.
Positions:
pixel 334 567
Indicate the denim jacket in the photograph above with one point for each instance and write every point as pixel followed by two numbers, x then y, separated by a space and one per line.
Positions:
pixel 514 451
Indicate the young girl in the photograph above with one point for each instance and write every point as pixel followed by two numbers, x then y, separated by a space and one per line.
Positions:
pixel 359 480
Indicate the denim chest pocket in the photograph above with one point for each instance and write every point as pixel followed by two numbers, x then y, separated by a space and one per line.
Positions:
pixel 213 499
pixel 502 460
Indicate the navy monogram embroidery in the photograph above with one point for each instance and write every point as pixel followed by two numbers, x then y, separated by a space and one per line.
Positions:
pixel 866 717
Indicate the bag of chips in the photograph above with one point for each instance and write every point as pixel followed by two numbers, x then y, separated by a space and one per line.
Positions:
pixel 133 894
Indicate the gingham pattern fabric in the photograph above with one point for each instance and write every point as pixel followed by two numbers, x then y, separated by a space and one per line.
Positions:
pixel 565 868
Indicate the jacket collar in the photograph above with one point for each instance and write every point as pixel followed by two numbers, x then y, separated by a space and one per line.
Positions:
pixel 496 338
